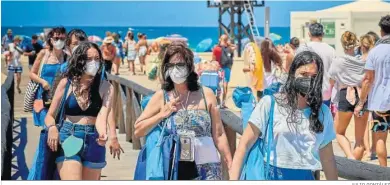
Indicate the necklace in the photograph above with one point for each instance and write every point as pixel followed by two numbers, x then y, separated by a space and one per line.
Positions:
pixel 82 97
pixel 186 118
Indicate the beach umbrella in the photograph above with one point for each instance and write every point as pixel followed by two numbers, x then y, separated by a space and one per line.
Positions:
pixel 204 45
pixel 94 38
pixel 245 41
pixel 274 37
pixel 176 37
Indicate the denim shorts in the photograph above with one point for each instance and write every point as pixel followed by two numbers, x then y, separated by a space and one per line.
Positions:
pixel 91 155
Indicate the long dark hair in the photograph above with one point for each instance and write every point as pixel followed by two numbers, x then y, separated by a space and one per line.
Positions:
pixel 183 52
pixel 76 68
pixel 58 30
pixel 314 96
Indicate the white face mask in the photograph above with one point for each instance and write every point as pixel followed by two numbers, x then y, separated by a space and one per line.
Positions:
pixel 178 74
pixel 74 48
pixel 92 67
pixel 59 44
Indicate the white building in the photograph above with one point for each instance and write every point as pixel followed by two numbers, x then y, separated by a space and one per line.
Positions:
pixel 359 17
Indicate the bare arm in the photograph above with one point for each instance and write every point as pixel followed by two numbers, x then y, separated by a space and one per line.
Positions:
pixel 247 140
pixel 35 68
pixel 218 132
pixel 102 117
pixel 55 104
pixel 328 162
pixel 150 116
pixel 368 80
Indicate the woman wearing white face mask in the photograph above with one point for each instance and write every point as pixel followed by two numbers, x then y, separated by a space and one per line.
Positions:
pixel 193 114
pixel 44 71
pixel 83 133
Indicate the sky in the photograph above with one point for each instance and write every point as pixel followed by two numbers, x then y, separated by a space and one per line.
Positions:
pixel 139 13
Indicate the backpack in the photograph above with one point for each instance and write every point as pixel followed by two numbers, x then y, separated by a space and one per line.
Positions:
pixel 226 56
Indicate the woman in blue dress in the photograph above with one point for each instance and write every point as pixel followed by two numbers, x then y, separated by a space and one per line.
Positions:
pixel 45 70
pixel 302 126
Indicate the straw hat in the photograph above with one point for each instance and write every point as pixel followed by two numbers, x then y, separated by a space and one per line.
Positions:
pixel 108 40
pixel 9 31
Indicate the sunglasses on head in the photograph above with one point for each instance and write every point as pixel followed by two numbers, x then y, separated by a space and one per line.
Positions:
pixel 180 64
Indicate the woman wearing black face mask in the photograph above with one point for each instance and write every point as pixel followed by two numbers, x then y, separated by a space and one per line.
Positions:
pixel 302 126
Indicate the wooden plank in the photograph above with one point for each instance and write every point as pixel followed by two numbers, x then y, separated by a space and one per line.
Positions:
pixel 134 103
pixel 121 119
pixel 128 124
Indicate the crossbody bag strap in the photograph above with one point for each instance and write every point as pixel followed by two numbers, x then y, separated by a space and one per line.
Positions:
pixel 270 136
pixel 60 114
pixel 43 61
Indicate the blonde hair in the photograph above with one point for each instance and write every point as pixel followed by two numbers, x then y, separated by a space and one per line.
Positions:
pixel 367 42
pixel 348 40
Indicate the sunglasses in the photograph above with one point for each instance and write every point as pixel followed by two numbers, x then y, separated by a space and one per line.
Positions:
pixel 58 38
pixel 180 64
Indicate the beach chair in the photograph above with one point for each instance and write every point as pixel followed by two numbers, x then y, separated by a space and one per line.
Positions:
pixel 211 80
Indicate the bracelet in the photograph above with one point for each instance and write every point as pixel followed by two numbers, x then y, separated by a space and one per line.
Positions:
pixel 361 103
pixel 47 128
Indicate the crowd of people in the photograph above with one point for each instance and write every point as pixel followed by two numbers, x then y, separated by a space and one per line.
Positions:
pixel 319 94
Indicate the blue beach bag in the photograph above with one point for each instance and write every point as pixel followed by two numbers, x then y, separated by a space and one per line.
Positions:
pixel 241 94
pixel 44 166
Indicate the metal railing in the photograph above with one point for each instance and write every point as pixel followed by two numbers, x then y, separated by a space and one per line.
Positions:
pixel 7 120
pixel 347 169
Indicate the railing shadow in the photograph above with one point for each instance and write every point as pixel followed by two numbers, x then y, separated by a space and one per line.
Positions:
pixel 19 165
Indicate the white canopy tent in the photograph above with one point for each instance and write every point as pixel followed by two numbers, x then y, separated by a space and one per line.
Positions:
pixel 359 17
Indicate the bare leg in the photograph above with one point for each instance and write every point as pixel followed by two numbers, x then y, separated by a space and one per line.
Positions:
pixel 380 141
pixel 224 94
pixel 360 129
pixel 70 170
pixel 18 80
pixel 91 174
pixel 341 126
pixel 132 66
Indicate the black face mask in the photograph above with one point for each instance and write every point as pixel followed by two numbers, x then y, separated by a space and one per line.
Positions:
pixel 303 85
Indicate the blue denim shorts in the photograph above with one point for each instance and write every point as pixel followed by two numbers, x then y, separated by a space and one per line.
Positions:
pixel 91 155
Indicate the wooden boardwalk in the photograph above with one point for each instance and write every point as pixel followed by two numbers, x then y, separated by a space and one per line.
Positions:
pixel 27 134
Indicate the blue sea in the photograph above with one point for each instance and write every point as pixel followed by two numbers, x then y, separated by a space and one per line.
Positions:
pixel 193 34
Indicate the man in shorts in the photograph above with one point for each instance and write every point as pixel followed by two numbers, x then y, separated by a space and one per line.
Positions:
pixel 376 89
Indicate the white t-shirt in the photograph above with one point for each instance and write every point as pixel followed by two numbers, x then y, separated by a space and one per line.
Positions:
pixel 295 146
pixel 327 54
pixel 15 54
pixel 378 60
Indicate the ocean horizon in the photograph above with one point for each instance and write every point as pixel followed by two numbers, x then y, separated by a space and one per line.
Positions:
pixel 194 34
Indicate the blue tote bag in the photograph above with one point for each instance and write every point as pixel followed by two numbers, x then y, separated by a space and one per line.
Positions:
pixel 255 168
pixel 246 110
pixel 44 166
pixel 163 159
